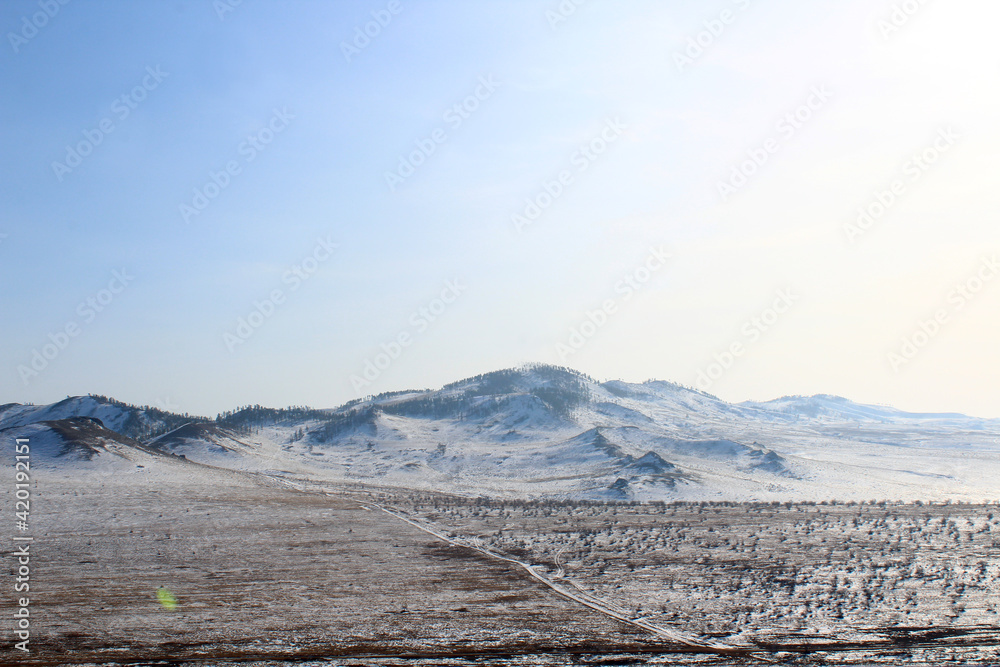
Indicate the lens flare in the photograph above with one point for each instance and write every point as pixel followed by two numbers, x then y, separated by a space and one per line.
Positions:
pixel 166 598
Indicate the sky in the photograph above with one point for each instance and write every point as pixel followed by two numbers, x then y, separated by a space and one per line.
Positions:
pixel 210 204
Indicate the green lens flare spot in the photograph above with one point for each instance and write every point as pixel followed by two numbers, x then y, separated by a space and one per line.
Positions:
pixel 166 598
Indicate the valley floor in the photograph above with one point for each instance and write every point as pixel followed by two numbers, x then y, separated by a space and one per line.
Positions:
pixel 273 570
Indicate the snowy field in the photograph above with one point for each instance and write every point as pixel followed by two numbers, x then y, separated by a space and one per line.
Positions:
pixel 277 570
pixel 761 574
pixel 259 570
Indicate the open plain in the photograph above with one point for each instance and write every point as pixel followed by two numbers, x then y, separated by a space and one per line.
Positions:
pixel 273 570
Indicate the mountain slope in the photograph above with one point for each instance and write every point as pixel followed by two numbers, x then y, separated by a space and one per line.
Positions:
pixel 132 421
pixel 543 431
pixel 83 444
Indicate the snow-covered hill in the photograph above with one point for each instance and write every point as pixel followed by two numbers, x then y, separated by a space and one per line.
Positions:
pixel 834 408
pixel 205 443
pixel 83 444
pixel 543 431
pixel 132 421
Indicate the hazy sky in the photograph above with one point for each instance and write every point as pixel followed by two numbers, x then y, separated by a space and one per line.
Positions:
pixel 206 205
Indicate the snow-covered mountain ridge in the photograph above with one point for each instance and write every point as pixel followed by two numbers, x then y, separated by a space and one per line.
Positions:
pixel 548 431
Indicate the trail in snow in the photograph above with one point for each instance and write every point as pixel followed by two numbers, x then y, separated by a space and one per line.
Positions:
pixel 580 597
pixel 583 598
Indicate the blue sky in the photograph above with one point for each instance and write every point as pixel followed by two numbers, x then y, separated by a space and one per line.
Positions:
pixel 618 99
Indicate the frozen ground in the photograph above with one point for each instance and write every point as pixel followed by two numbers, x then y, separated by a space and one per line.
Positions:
pixel 261 570
pixel 823 570
pixel 276 569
